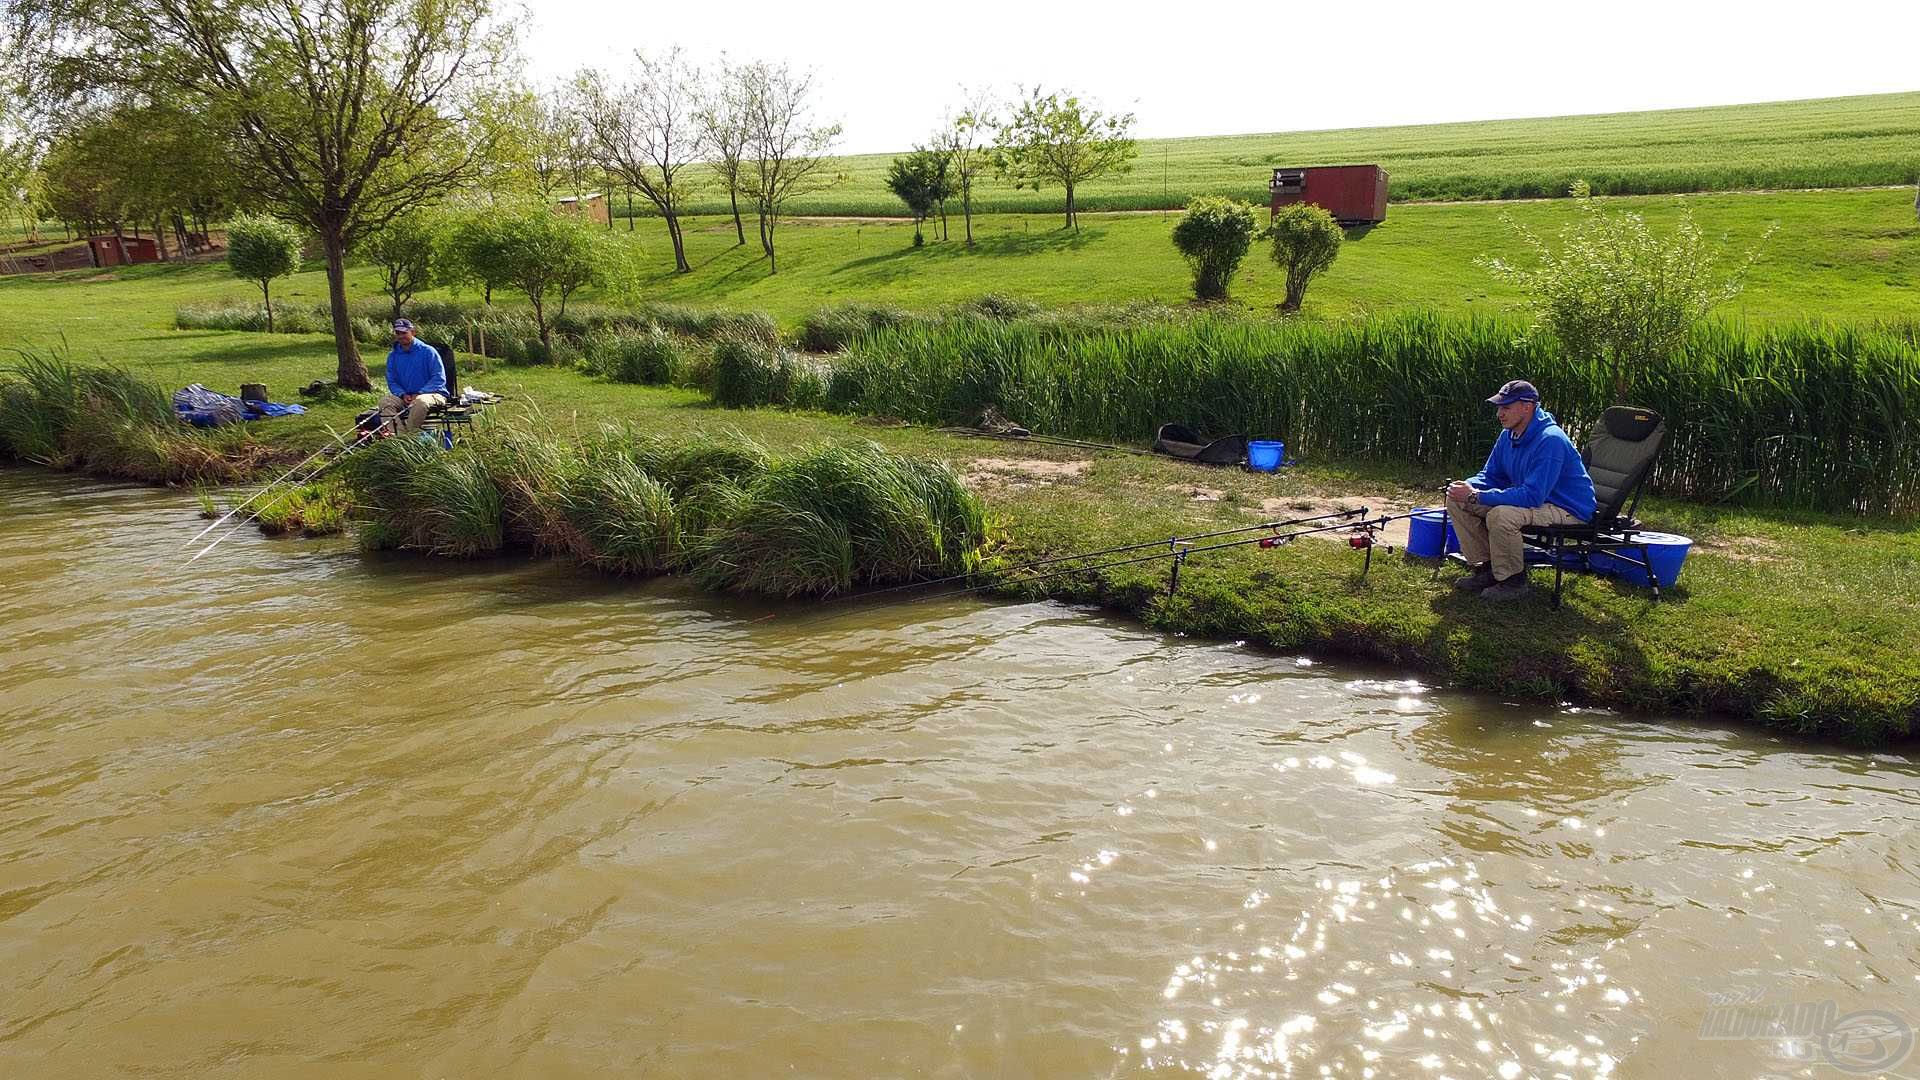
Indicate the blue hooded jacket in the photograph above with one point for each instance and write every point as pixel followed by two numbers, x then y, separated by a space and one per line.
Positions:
pixel 415 371
pixel 1538 468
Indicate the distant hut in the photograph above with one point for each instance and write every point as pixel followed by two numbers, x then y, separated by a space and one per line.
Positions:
pixel 592 207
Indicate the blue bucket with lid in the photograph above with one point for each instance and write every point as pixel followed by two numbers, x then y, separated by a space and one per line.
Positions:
pixel 1265 455
pixel 1667 552
pixel 1430 533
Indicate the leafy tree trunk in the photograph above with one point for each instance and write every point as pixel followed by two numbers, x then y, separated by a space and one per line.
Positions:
pixel 540 317
pixel 966 208
pixel 1073 220
pixel 266 297
pixel 739 227
pixel 629 209
pixel 943 219
pixel 160 236
pixel 679 244
pixel 352 373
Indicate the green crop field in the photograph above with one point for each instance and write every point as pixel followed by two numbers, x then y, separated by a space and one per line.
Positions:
pixel 1825 143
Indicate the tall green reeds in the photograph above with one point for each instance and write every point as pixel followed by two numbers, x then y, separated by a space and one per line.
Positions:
pixel 109 422
pixel 817 522
pixel 1810 416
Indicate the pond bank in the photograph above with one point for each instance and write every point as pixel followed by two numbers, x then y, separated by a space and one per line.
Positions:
pixel 1798 623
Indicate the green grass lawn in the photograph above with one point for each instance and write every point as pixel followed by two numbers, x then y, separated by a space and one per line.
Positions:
pixel 1831 142
pixel 1838 256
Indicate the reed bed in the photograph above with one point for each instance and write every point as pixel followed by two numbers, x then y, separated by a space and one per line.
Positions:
pixel 499 331
pixel 818 522
pixel 1809 416
pixel 107 421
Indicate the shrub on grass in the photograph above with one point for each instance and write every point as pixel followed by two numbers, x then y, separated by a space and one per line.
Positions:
pixel 1305 240
pixel 998 306
pixel 1214 235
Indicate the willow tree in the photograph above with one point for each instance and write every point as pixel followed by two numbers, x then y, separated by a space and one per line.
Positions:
pixel 341 114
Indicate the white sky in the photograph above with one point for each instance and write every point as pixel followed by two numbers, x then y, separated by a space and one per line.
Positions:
pixel 886 74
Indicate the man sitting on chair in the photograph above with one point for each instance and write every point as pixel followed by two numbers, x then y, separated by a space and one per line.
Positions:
pixel 1534 476
pixel 416 380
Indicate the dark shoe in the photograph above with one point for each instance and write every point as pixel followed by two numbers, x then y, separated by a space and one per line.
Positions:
pixel 1513 588
pixel 1475 581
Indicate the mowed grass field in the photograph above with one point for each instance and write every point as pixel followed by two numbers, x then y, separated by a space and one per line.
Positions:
pixel 1838 256
pixel 1824 143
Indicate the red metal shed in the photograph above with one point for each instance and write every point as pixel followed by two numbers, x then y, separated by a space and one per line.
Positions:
pixel 1353 194
pixel 120 250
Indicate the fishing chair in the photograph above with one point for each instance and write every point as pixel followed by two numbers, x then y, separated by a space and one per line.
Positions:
pixel 444 418
pixel 1619 456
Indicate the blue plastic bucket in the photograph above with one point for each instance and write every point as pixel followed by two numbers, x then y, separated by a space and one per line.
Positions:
pixel 1427 533
pixel 1666 551
pixel 1264 455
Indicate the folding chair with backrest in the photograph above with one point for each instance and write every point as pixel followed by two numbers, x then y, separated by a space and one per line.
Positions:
pixel 1619 456
pixel 444 417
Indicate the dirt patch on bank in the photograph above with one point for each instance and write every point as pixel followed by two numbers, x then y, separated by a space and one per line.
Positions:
pixel 1748 549
pixel 1014 474
pixel 1394 535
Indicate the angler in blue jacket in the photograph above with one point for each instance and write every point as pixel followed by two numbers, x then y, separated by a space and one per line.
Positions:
pixel 1534 476
pixel 416 380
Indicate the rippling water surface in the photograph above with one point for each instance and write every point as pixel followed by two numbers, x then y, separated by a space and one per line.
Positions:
pixel 293 811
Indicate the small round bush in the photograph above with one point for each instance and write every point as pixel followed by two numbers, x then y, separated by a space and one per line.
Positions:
pixel 1214 235
pixel 1306 240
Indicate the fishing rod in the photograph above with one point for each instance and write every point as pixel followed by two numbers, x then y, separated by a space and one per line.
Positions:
pixel 1179 547
pixel 338 444
pixel 340 452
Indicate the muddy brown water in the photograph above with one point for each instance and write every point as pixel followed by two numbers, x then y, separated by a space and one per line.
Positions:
pixel 299 812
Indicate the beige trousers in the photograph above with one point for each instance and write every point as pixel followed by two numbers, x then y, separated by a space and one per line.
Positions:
pixel 1492 533
pixel 416 413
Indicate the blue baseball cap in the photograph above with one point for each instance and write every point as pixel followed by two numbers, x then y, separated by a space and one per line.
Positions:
pixel 402 324
pixel 1517 390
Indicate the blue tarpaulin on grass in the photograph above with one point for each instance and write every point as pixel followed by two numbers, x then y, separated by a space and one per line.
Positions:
pixel 202 407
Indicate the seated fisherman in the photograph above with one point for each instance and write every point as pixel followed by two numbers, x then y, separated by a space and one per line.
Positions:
pixel 416 379
pixel 1534 476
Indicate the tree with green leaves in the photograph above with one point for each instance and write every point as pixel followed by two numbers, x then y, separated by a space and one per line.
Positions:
pixel 548 257
pixel 1214 234
pixel 339 115
pixel 260 249
pixel 785 152
pixel 1306 240
pixel 964 139
pixel 723 134
pixel 407 251
pixel 919 179
pixel 476 252
pixel 646 132
pixel 1054 139
pixel 1620 293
